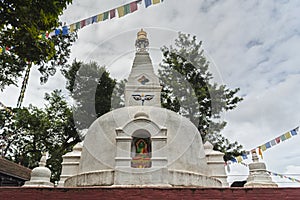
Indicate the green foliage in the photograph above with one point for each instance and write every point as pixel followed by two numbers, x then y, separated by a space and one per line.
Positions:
pixel 33 130
pixel 189 91
pixel 22 22
pixel 91 87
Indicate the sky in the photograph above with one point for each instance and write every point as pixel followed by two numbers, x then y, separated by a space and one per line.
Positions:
pixel 252 45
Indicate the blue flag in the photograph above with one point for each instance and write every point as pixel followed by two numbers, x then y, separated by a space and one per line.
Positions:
pixel 148 3
pixel 294 132
pixel 65 30
pixel 57 31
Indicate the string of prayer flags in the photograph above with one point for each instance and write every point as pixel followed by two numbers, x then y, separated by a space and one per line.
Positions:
pixel 283 176
pixel 110 14
pixel 24 84
pixel 6 109
pixel 277 140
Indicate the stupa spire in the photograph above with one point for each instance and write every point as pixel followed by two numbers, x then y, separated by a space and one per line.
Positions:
pixel 143 87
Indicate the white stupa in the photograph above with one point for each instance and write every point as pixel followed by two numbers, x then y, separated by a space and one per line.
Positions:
pixel 40 176
pixel 143 144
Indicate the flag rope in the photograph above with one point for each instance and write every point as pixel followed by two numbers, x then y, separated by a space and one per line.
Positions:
pixel 24 85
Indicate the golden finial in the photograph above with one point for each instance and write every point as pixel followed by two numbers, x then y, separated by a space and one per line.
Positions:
pixel 141 34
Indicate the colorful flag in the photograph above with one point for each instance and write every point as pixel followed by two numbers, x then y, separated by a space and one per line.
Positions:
pixel 244 156
pixel 94 19
pixel 100 17
pixel 233 160
pixel 278 140
pixel 121 11
pixel 72 28
pixel 105 15
pixel 294 132
pixel 82 23
pixel 273 142
pixel 1 50
pixel 65 30
pixel 148 3
pixel 112 13
pixel 287 135
pixel 156 1
pixel 88 21
pixel 263 147
pixel 268 145
pixel 57 31
pixel 133 6
pixel 126 9
pixel 77 25
pixel 260 153
pixel 239 159
pixel 282 137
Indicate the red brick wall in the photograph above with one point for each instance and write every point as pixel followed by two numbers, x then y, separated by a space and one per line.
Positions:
pixel 148 193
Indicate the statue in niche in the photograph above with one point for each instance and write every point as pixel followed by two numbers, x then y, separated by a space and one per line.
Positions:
pixel 141 152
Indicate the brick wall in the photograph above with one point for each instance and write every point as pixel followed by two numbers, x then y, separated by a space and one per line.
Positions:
pixel 148 193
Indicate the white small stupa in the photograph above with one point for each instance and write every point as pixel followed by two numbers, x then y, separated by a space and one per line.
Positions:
pixel 258 174
pixel 40 176
pixel 143 144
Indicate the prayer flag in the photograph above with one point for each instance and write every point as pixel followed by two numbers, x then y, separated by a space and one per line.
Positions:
pixel 72 28
pixel 133 6
pixel 94 19
pixel 260 153
pixel 82 23
pixel 65 30
pixel 233 160
pixel 100 17
pixel 77 25
pixel 57 31
pixel 294 132
pixel 282 137
pixel 273 142
pixel 1 50
pixel 112 13
pixel 126 9
pixel 156 1
pixel 239 159
pixel 268 145
pixel 88 21
pixel 121 11
pixel 287 135
pixel 40 36
pixel 278 140
pixel 148 3
pixel 105 15
pixel 244 156
pixel 263 147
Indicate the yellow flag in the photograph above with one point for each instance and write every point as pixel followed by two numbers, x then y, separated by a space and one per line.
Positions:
pixel 239 159
pixel 100 17
pixel 72 28
pixel 263 147
pixel 287 135
pixel 156 1
pixel 121 11
pixel 1 50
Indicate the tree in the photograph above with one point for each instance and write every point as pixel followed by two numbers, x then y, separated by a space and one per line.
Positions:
pixel 188 90
pixel 91 87
pixel 23 29
pixel 32 131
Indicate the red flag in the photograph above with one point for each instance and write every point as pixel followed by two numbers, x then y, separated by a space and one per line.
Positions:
pixel 277 140
pixel 112 13
pixel 133 6
pixel 82 23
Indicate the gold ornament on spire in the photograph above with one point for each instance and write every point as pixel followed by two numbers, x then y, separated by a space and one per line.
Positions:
pixel 142 41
